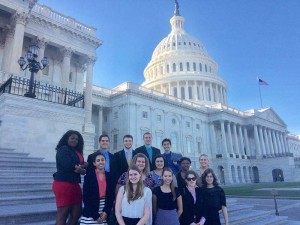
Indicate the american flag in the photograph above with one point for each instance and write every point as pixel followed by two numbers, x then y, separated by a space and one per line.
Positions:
pixel 261 82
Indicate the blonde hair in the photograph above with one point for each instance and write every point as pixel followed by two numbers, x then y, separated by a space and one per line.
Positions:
pixel 146 170
pixel 131 196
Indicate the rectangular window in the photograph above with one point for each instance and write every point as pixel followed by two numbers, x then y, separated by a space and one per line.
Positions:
pixel 188 66
pixel 115 141
pixel 199 147
pixel 71 77
pixel 181 67
pixel 198 126
pixel 194 66
pixel 116 115
pixel 158 118
pixel 188 124
pixel 189 146
pixel 145 114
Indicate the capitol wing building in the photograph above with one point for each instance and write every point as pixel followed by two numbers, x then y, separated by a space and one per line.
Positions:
pixel 182 98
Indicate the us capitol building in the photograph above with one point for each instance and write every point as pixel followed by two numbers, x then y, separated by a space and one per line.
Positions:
pixel 182 98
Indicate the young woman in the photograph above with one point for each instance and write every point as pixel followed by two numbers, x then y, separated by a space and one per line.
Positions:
pixel 159 163
pixel 142 163
pixel 98 197
pixel 70 164
pixel 166 199
pixel 214 198
pixel 194 206
pixel 133 202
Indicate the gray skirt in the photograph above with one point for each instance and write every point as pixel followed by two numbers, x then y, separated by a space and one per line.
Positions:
pixel 166 217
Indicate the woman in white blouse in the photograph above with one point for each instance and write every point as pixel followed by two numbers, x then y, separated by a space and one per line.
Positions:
pixel 134 200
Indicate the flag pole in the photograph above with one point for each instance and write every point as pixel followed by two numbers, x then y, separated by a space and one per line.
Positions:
pixel 261 106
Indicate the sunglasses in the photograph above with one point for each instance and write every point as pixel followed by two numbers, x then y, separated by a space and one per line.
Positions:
pixel 191 178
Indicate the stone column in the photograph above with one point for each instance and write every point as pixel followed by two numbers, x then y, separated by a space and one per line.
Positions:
pixel 100 116
pixel 262 140
pixel 282 143
pixel 66 66
pixel 278 143
pixel 276 149
pixel 242 141
pixel 224 138
pixel 286 143
pixel 268 152
pixel 20 19
pixel 272 150
pixel 170 88
pixel 211 92
pixel 217 93
pixel 8 35
pixel 187 90
pixel 194 93
pixel 247 142
pixel 204 91
pixel 236 143
pixel 257 143
pixel 178 90
pixel 213 138
pixel 89 128
pixel 41 43
pixel 230 139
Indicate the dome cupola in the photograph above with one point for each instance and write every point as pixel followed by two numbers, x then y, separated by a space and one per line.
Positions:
pixel 180 66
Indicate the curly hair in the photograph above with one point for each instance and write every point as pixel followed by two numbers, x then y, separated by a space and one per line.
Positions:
pixel 64 140
pixel 204 175
pixel 131 196
pixel 146 171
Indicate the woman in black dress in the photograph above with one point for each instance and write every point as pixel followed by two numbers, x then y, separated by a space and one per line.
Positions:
pixel 194 205
pixel 214 198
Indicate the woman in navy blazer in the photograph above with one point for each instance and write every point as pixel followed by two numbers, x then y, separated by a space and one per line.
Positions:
pixel 98 194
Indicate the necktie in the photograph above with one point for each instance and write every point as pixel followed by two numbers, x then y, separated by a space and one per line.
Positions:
pixel 128 157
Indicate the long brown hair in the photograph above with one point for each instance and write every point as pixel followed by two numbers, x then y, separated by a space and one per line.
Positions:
pixel 204 175
pixel 146 171
pixel 131 196
pixel 167 169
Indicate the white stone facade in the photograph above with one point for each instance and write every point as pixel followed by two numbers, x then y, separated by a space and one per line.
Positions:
pixel 183 98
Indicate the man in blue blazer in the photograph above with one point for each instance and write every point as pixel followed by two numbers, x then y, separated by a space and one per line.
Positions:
pixel 147 149
pixel 173 159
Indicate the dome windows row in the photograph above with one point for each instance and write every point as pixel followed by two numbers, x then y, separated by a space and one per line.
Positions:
pixel 181 67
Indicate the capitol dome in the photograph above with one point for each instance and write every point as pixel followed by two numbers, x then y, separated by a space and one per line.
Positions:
pixel 180 66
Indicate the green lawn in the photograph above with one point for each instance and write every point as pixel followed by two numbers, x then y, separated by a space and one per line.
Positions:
pixel 249 190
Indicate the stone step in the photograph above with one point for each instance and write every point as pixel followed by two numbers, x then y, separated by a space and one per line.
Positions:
pixel 27 171
pixel 25 184
pixel 238 207
pixel 25 191
pixel 48 222
pixel 29 214
pixel 14 154
pixel 7 150
pixel 12 164
pixel 26 200
pixel 27 178
pixel 236 218
pixel 21 159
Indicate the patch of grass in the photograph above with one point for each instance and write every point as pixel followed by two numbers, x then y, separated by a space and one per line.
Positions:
pixel 249 190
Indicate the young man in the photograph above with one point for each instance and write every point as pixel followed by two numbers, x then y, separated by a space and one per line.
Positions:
pixel 204 163
pixel 124 156
pixel 173 159
pixel 110 165
pixel 147 149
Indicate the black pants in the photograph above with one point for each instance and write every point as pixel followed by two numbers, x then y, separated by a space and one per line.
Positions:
pixel 131 221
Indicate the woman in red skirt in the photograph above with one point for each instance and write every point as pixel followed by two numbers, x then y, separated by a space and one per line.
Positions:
pixel 70 164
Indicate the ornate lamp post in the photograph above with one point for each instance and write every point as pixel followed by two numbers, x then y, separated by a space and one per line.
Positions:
pixel 33 65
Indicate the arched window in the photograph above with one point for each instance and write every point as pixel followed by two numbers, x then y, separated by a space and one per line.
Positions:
pixel 188 66
pixel 181 67
pixel 205 68
pixel 200 67
pixel 175 92
pixel 182 93
pixel 190 93
pixel 174 67
pixel 194 66
pixel 168 68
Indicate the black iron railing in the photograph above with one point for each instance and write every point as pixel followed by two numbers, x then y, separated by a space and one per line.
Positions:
pixel 45 92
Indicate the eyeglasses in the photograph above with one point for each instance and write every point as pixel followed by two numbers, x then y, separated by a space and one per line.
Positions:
pixel 191 178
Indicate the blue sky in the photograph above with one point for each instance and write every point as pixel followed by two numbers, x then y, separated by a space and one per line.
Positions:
pixel 248 39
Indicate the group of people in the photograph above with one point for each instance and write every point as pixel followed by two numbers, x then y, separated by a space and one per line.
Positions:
pixel 134 187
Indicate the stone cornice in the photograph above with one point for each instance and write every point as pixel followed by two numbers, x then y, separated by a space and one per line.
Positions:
pixel 40 19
